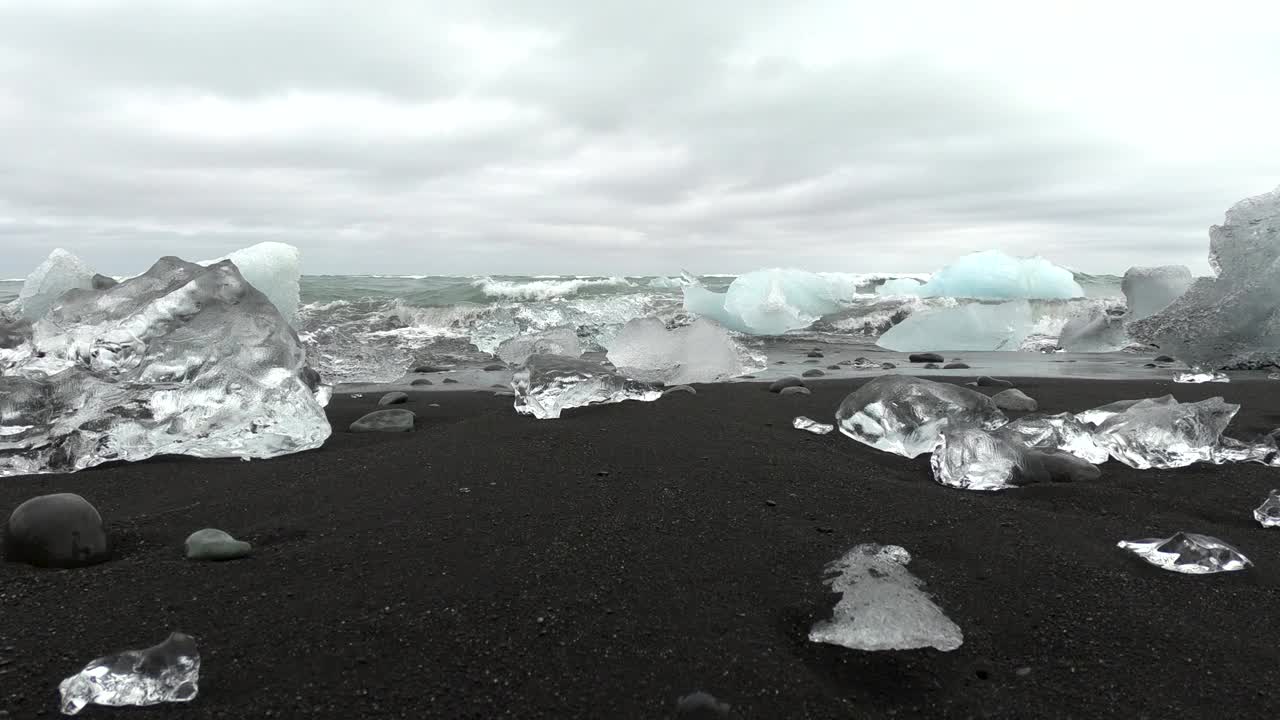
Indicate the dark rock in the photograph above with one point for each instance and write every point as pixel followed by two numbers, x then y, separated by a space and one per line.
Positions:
pixel 384 421
pixel 887 366
pixel 1150 365
pixel 786 382
pixel 932 366
pixel 781 362
pixel 432 369
pixel 815 354
pixel 495 367
pixel 58 531
pixel 504 393
pixel 810 362
pixel 1013 399
pixel 925 357
pixel 833 367
pixel 102 282
pixel 422 381
pixel 955 366
pixel 214 544
pixel 812 373
pixel 1164 358
pixel 795 390
pixel 986 381
pixel 449 381
pixel 680 389
pixel 394 398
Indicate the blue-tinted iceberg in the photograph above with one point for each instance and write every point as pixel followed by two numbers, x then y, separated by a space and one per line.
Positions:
pixel 900 286
pixel 973 326
pixel 275 269
pixel 994 275
pixel 769 302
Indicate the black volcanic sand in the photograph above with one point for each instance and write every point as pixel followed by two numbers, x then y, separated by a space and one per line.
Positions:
pixel 605 564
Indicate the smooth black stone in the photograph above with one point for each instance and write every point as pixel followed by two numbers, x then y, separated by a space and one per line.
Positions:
pixel 986 381
pixel 955 366
pixel 833 367
pixel 795 390
pixel 815 354
pixel 812 373
pixel 932 366
pixel 384 421
pixel 422 381
pixel 58 531
pixel 925 358
pixel 887 366
pixel 431 369
pixel 450 381
pixel 495 367
pixel 1164 358
pixel 394 398
pixel 786 382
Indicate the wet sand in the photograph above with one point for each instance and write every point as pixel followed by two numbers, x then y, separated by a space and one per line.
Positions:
pixel 605 564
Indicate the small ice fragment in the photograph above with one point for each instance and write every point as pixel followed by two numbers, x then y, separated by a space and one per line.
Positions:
pixel 168 672
pixel 1268 513
pixel 1273 376
pixel 1230 450
pixel 1188 553
pixel 1200 375
pixel 882 605
pixel 546 385
pixel 813 426
pixel 905 415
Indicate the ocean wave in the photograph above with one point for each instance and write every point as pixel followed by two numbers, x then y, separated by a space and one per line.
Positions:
pixel 543 289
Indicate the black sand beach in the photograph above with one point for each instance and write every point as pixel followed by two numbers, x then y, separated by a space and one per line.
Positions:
pixel 605 564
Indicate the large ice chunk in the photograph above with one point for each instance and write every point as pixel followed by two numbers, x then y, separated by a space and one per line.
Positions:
pixel 60 272
pixel 882 605
pixel 275 269
pixel 701 352
pixel 1188 553
pixel 1154 433
pixel 1063 431
pixel 182 359
pixel 546 385
pixel 1231 321
pixel 769 302
pixel 973 459
pixel 562 341
pixel 168 672
pixel 994 275
pixel 973 326
pixel 905 415
pixel 1148 290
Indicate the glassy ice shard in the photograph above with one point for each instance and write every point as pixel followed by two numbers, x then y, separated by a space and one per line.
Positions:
pixel 1063 431
pixel 1268 513
pixel 1188 553
pixel 1099 415
pixel 546 385
pixel 168 672
pixel 813 426
pixel 1154 434
pixel 973 459
pixel 1230 450
pixel 905 415
pixel 1200 375
pixel 882 605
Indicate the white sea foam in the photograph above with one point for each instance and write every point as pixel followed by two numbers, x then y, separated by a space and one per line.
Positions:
pixel 543 289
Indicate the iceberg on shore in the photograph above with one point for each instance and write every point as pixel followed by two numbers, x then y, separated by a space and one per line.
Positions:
pixel 973 326
pixel 1148 290
pixel 768 302
pixel 994 275
pixel 702 352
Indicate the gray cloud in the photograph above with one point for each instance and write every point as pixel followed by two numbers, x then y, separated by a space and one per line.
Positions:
pixel 573 136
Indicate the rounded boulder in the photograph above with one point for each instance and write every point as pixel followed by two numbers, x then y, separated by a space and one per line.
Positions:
pixel 58 531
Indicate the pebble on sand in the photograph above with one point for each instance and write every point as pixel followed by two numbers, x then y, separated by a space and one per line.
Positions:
pixel 986 381
pixel 422 381
pixel 1014 399
pixel 795 390
pixel 495 367
pixel 925 358
pixel 812 373
pixel 59 531
pixel 955 366
pixel 782 383
pixel 384 421
pixel 450 381
pixel 214 544
pixel 680 389
pixel 394 398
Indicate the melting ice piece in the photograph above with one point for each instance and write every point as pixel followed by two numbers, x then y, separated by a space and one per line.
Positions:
pixel 972 459
pixel 1231 321
pixel 994 275
pixel 701 352
pixel 1155 434
pixel 1188 553
pixel 180 360
pixel 905 415
pixel 51 279
pixel 168 672
pixel 769 302
pixel 1200 375
pixel 882 605
pixel 813 426
pixel 971 327
pixel 1268 513
pixel 1230 450
pixel 1098 415
pixel 1063 431
pixel 1095 329
pixel 1148 290
pixel 546 385
pixel 562 341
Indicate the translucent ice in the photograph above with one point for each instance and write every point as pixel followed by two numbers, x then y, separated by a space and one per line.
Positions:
pixel 168 672
pixel 1231 321
pixel 905 415
pixel 562 341
pixel 882 605
pixel 1268 513
pixel 1094 329
pixel 994 275
pixel 900 286
pixel 1230 450
pixel 974 459
pixel 973 326
pixel 275 269
pixel 1188 553
pixel 60 272
pixel 182 359
pixel 768 302
pixel 1155 434
pixel 1099 415
pixel 546 385
pixel 701 352
pixel 1063 431
pixel 1200 375
pixel 1148 290
pixel 810 425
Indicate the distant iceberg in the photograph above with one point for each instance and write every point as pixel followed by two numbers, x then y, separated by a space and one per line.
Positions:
pixel 770 302
pixel 972 327
pixel 994 275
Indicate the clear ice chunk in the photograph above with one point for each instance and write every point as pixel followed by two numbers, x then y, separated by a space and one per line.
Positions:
pixel 1094 329
pixel 810 425
pixel 701 352
pixel 546 385
pixel 973 459
pixel 51 279
pixel 1155 434
pixel 1148 290
pixel 969 327
pixel 882 605
pixel 561 341
pixel 1200 375
pixel 1188 553
pixel 1268 513
pixel 1063 431
pixel 1099 415
pixel 168 672
pixel 1231 321
pixel 1231 450
pixel 905 415
pixel 182 360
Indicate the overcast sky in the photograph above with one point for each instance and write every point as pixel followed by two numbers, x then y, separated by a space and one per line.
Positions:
pixel 589 136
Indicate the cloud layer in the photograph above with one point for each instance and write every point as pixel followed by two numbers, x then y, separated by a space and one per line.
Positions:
pixel 618 137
